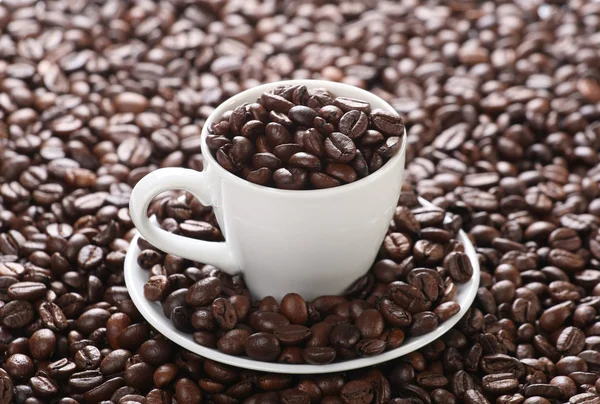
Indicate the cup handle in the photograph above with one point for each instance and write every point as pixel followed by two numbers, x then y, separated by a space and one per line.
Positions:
pixel 166 179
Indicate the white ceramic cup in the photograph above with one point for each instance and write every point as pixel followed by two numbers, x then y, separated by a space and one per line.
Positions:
pixel 311 242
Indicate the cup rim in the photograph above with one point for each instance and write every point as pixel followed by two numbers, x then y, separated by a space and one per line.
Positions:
pixel 334 87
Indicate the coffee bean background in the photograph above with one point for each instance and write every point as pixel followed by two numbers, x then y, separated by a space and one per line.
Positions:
pixel 500 101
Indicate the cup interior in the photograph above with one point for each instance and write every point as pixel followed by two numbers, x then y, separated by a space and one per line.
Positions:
pixel 337 89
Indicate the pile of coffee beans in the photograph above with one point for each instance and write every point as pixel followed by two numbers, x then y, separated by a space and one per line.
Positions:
pixel 500 101
pixel 295 138
pixel 410 290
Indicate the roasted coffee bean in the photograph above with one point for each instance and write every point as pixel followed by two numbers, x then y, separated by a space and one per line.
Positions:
pixel 571 341
pixel 408 297
pixel 293 307
pixel 353 124
pixel 262 346
pixel 203 292
pixel 338 172
pixel 187 392
pixel 29 291
pixel 302 115
pixel 6 390
pixel 292 178
pixel 181 318
pixel 474 397
pixel 446 310
pixel 268 321
pixel 17 313
pixel 344 336
pixel 397 246
pixel 500 383
pixel 388 123
pixel 292 334
pixel 339 147
pixel 370 347
pixel 233 342
pixel 306 161
pixel 318 355
pixel 458 266
pixel 394 314
pixel 370 323
pixel 357 391
pixel 423 323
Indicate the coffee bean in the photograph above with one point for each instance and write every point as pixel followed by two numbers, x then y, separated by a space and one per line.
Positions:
pixel 293 307
pixel 500 383
pixel 6 390
pixel 187 392
pixel 19 366
pixel 346 104
pixel 571 341
pixel 26 291
pixel 554 316
pixel 292 334
pixel 306 161
pixel 86 380
pixel 318 355
pixel 370 347
pixel 89 257
pixel 292 178
pixel 370 323
pixel 390 148
pixel 42 344
pixel 446 310
pixel 340 173
pixel 397 246
pixel 340 148
pixel 344 336
pixel 357 391
pixel 408 297
pixel 233 342
pixel 261 176
pixel 302 115
pixel 17 313
pixel 423 323
pixel 203 292
pixel 353 124
pixel 474 397
pixel 268 321
pixel 459 266
pixel 114 362
pixel 157 288
pixel 313 143
pixel 133 336
pixel 276 103
pixel 565 260
pixel 262 346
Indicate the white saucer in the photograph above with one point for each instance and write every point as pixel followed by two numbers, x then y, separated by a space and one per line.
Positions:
pixel 136 277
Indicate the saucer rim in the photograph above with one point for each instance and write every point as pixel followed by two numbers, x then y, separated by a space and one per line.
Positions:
pixel 155 317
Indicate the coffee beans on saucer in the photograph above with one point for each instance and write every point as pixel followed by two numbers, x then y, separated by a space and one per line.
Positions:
pixel 409 291
pixel 295 138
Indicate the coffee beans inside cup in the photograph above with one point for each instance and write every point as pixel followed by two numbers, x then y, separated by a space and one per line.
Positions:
pixel 409 291
pixel 295 138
